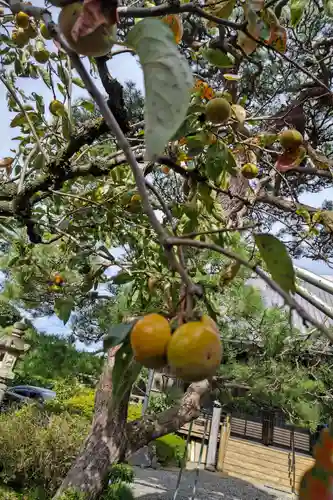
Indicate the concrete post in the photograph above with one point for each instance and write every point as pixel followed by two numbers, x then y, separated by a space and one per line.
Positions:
pixel 213 437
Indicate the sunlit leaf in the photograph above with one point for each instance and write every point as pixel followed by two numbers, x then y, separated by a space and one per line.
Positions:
pixel 231 77
pixel 18 120
pixel 245 43
pixel 45 76
pixel 168 80
pixel 239 113
pixel 277 260
pixel 297 8
pixel 218 58
pixel 63 308
pixel 328 7
pixel 88 105
pixel 78 82
pixel 222 9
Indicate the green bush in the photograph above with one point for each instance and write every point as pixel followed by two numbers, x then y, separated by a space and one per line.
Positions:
pixel 8 494
pixel 170 449
pixel 121 473
pixel 118 491
pixel 37 449
pixel 71 495
pixel 8 313
pixel 134 411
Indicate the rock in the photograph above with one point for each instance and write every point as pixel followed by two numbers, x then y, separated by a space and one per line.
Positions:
pixel 141 458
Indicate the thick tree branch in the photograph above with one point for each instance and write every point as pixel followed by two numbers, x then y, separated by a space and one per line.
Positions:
pixel 141 431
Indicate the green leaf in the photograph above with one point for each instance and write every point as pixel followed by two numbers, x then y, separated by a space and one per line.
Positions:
pixel 204 192
pixel 124 365
pixel 66 127
pixel 18 120
pixel 328 7
pixel 39 162
pixel 122 278
pixel 232 77
pixel 168 80
pixel 220 160
pixel 297 8
pixel 63 74
pixel 88 105
pixel 39 103
pixel 277 260
pixel 45 76
pixel 218 58
pixel 79 82
pixel 63 308
pixel 117 334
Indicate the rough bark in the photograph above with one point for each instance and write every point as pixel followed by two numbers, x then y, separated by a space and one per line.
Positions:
pixel 105 442
pixel 111 439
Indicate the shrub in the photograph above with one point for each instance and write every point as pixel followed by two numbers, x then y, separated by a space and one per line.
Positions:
pixel 134 411
pixel 121 473
pixel 118 491
pixel 81 404
pixel 37 449
pixel 8 314
pixel 71 495
pixel 170 449
pixel 8 494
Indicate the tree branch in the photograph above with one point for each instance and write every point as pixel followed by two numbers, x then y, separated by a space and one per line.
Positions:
pixel 142 431
pixel 272 284
pixel 168 8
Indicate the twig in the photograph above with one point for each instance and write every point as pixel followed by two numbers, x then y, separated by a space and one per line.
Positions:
pixel 20 105
pixel 163 204
pixel 272 284
pixel 24 169
pixel 223 230
pixel 168 8
pixel 286 58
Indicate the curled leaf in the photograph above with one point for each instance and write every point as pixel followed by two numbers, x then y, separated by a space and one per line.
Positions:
pixel 239 113
pixel 231 77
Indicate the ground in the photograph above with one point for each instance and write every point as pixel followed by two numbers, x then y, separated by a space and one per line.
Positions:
pixel 160 485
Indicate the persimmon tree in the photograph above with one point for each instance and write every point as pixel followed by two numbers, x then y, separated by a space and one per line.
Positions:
pixel 237 112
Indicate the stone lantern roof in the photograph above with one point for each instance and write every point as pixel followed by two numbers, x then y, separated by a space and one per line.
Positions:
pixel 13 342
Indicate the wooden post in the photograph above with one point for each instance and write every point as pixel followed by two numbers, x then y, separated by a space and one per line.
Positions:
pixel 213 437
pixel 225 433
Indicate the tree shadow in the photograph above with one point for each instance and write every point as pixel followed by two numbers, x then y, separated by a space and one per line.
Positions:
pixel 160 485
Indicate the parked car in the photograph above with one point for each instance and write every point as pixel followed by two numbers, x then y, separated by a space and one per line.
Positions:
pixel 39 394
pixel 11 399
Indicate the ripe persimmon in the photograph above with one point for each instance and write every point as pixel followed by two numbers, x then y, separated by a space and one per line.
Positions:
pixel 149 339
pixel 195 351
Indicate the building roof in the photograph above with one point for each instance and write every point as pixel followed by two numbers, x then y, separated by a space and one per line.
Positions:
pixel 273 299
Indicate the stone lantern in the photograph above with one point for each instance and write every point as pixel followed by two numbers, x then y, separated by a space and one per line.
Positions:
pixel 12 346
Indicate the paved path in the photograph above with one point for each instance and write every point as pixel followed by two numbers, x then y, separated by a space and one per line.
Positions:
pixel 160 484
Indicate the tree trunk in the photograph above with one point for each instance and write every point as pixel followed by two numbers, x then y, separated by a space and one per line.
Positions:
pixel 111 439
pixel 105 442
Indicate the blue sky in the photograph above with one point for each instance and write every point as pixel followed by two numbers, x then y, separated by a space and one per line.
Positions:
pixel 124 67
